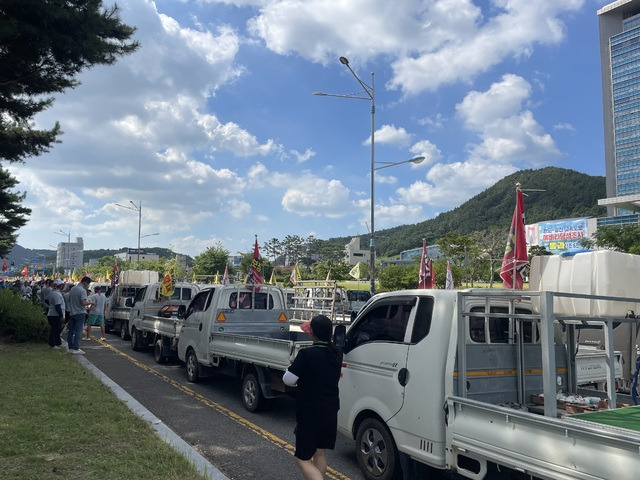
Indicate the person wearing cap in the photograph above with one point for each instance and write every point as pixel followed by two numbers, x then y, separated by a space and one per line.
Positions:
pixel 316 371
pixel 96 314
pixel 78 300
pixel 55 314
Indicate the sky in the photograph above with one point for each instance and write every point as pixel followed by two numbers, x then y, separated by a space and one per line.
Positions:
pixel 212 126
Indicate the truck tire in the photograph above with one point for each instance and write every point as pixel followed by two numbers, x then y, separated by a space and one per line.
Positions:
pixel 124 333
pixel 376 451
pixel 192 367
pixel 135 340
pixel 157 352
pixel 252 396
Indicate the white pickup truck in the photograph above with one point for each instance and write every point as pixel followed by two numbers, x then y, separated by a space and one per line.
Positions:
pixel 150 302
pixel 238 330
pixel 430 379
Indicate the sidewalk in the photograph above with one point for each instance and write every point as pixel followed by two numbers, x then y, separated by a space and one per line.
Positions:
pixel 165 433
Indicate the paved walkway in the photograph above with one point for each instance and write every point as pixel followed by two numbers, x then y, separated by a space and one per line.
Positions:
pixel 203 465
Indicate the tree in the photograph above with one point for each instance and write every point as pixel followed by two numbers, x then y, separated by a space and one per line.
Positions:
pixel 12 214
pixel 623 238
pixel 492 243
pixel 45 45
pixel 273 249
pixel 211 261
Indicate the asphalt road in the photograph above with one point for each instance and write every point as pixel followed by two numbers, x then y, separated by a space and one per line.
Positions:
pixel 209 415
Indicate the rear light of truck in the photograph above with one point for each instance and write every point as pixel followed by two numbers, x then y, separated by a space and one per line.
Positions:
pixel 282 317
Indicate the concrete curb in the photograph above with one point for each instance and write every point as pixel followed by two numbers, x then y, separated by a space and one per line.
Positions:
pixel 203 465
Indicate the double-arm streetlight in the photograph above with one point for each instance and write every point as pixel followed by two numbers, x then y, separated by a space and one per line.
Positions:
pixel 369 93
pixel 136 208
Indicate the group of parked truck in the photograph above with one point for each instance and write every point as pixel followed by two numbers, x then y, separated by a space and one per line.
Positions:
pixel 473 381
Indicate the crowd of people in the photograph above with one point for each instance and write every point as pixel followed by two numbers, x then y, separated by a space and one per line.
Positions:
pixel 66 305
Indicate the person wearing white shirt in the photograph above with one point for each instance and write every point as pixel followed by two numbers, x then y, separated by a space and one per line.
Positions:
pixel 96 314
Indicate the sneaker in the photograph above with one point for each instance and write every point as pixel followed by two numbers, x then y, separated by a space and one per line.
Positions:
pixel 77 352
pixel 85 338
pixel 57 347
pixel 103 339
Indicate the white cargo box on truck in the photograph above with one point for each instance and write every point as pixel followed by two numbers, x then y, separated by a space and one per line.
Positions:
pixel 138 277
pixel 602 272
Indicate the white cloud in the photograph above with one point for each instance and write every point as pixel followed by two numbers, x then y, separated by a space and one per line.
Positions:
pixel 437 42
pixel 390 134
pixel 510 33
pixel 564 126
pixel 317 197
pixel 303 157
pixel 508 133
pixel 452 184
pixel 424 148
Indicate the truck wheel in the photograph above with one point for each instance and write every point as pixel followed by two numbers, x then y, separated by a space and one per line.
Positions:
pixel 252 396
pixel 135 339
pixel 124 334
pixel 192 367
pixel 157 352
pixel 376 451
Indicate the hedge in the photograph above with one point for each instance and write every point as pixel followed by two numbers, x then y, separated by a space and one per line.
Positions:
pixel 21 320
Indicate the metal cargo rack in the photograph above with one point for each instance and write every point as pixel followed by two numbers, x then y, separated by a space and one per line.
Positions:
pixel 546 318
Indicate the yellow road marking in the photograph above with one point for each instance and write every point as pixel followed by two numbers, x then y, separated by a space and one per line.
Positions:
pixel 277 441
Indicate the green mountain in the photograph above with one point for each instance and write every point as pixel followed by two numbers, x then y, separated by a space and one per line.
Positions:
pixel 566 194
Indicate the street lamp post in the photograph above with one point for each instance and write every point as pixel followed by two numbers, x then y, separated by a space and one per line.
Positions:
pixel 369 93
pixel 137 208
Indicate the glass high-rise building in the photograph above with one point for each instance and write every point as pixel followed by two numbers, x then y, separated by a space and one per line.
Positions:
pixel 619 25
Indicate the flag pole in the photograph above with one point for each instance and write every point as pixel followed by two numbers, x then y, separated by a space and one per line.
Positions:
pixel 515 244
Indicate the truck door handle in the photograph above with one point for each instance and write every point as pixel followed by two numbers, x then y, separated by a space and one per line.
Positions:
pixel 403 376
pixel 200 328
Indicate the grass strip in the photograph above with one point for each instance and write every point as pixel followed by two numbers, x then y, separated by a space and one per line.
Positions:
pixel 57 420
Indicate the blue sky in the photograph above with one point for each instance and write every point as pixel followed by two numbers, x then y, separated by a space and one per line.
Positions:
pixel 212 124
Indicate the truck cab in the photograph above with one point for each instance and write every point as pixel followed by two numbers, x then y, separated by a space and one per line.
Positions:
pixel 149 301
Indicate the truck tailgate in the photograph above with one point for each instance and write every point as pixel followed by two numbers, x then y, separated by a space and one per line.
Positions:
pixel 267 352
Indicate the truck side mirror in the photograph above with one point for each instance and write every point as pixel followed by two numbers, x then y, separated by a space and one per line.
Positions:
pixel 128 302
pixel 340 336
pixel 182 310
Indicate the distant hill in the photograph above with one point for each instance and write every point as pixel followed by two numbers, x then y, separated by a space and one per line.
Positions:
pixel 567 194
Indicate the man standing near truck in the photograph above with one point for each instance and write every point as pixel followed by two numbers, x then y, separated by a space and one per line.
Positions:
pixel 78 302
pixel 316 371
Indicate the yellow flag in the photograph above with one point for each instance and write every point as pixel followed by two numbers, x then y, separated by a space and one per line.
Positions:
pixel 167 285
pixel 272 280
pixel 216 279
pixel 355 271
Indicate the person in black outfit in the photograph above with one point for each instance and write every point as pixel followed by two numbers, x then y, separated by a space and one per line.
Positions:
pixel 316 371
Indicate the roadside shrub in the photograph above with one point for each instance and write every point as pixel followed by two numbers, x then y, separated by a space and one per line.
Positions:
pixel 21 320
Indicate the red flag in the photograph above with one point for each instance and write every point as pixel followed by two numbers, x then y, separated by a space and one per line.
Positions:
pixel 515 256
pixel 4 265
pixel 425 275
pixel 255 274
pixel 225 278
